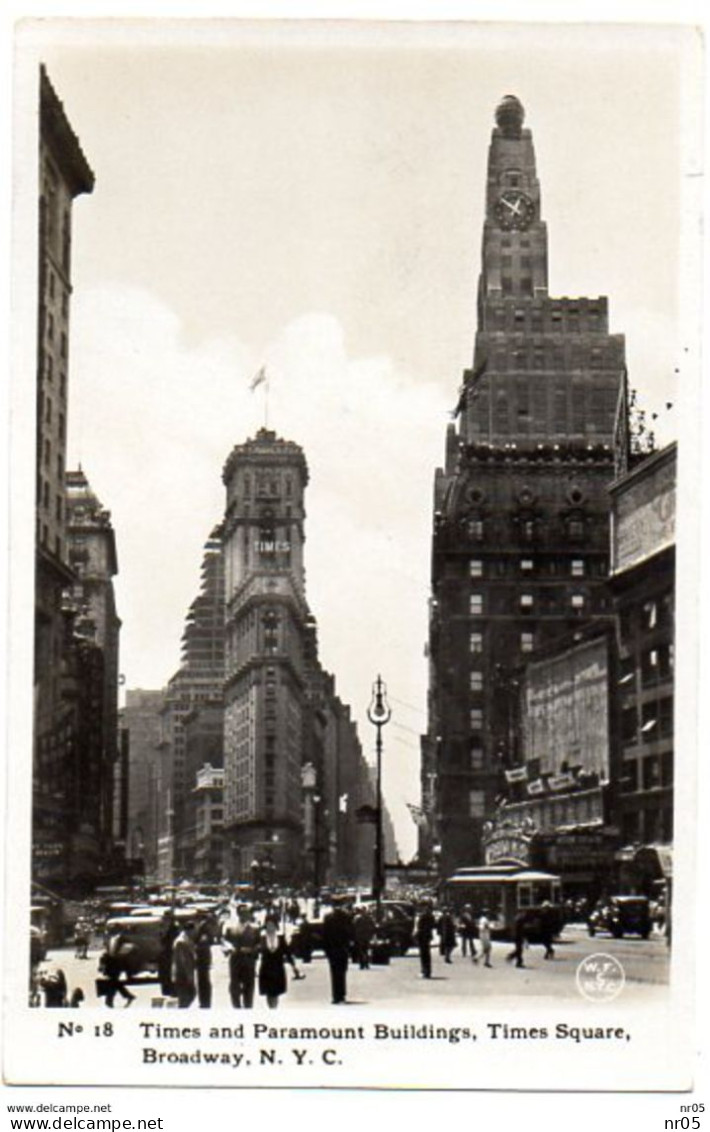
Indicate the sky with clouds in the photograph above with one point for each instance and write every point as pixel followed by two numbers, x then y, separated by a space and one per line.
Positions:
pixel 311 198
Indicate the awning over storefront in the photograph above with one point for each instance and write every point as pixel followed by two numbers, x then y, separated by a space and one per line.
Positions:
pixel 658 856
pixel 652 861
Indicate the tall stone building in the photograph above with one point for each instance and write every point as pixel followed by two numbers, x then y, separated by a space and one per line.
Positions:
pixel 269 635
pixel 520 543
pixel 93 559
pixel 64 174
pixel 643 585
pixel 191 717
pixel 140 722
pixel 291 757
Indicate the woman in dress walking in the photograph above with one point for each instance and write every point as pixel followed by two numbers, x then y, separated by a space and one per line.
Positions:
pixel 274 954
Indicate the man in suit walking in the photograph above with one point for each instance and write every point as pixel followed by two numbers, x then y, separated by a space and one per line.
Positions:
pixel 241 939
pixel 423 934
pixel 337 942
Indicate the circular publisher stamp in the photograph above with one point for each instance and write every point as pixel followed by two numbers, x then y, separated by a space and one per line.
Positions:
pixel 600 977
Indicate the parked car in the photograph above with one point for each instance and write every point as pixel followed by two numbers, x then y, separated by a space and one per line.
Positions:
pixel 142 933
pixel 396 926
pixel 306 938
pixel 621 915
pixel 141 949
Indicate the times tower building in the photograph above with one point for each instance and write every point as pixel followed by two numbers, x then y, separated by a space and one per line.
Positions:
pixel 521 510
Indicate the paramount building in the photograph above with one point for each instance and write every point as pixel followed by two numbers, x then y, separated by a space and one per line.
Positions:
pixel 520 550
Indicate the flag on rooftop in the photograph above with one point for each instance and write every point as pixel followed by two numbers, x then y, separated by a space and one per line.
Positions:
pixel 258 378
pixel 417 814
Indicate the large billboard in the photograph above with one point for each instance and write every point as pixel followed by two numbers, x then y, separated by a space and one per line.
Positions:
pixel 644 509
pixel 566 713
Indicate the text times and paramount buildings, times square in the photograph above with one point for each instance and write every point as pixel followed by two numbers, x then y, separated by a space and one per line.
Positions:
pixel 550 703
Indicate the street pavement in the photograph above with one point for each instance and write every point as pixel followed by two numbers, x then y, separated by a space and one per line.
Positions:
pixel 399 984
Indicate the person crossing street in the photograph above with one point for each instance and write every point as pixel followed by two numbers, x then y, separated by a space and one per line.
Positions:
pixel 241 941
pixel 337 942
pixel 423 934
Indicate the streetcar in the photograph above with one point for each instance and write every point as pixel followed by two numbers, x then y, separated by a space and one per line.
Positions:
pixel 503 890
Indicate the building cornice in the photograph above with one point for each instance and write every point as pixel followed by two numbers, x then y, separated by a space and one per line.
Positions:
pixel 61 139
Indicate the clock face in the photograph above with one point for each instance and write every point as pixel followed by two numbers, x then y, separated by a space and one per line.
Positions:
pixel 514 209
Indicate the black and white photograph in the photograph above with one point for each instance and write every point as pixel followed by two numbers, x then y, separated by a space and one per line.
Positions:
pixel 354 446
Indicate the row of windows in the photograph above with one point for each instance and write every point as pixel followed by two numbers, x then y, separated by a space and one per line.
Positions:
pixel 527 530
pixel 526 642
pixel 656 613
pixel 548 357
pixel 515 403
pixel 268 485
pixel 44 495
pixel 44 539
pixel 654 722
pixel 657 664
pixel 648 773
pixel 47 459
pixel 44 412
pixel 648 824
pixel 591 311
pixel 478 569
pixel 524 286
pixel 526 602
pixel 476 804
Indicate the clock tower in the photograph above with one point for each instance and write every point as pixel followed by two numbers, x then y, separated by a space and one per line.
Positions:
pixel 521 512
pixel 514 235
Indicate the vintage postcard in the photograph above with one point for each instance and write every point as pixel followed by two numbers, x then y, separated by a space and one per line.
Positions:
pixel 354 445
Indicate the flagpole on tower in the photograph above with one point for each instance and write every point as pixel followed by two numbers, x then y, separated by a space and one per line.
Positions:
pixel 261 378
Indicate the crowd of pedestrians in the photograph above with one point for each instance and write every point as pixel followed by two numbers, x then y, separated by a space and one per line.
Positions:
pixel 256 941
pixel 467 927
pixel 257 955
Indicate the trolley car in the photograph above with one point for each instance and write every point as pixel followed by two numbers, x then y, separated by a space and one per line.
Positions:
pixel 503 890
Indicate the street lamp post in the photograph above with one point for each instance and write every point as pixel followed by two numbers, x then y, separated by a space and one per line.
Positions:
pixel 316 842
pixel 378 713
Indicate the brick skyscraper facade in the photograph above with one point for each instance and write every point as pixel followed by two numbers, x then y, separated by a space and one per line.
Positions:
pixel 64 174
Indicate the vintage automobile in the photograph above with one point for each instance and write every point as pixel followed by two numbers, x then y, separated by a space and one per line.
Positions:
pixel 141 933
pixel 396 926
pixel 621 915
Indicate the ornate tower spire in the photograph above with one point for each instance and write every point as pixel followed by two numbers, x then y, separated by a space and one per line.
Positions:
pixel 544 370
pixel 514 261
